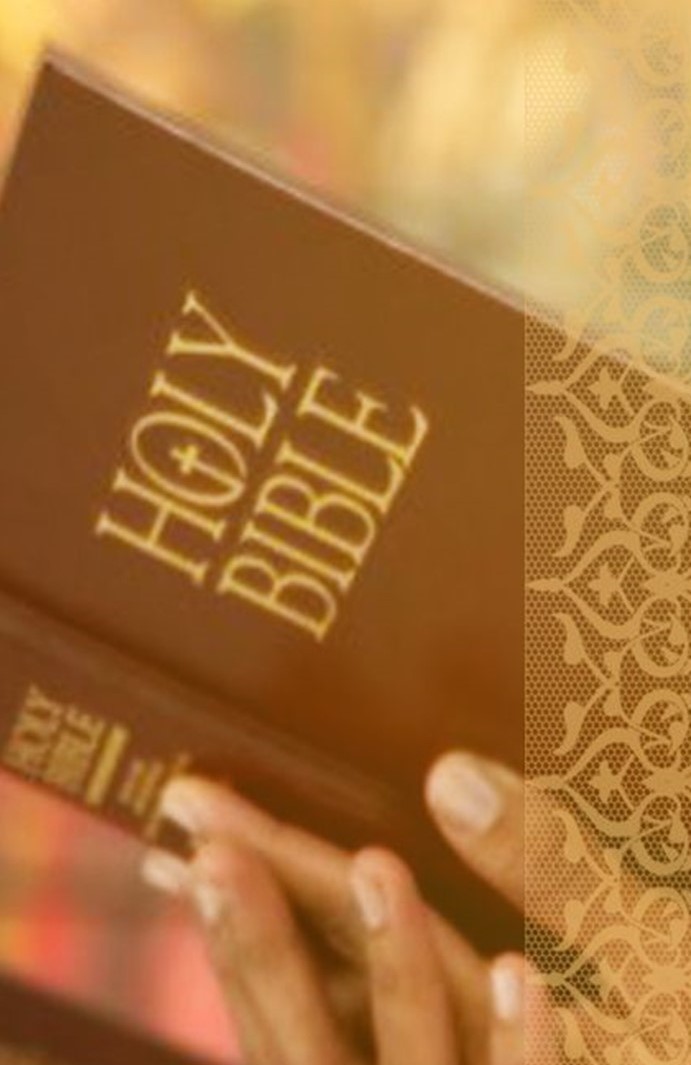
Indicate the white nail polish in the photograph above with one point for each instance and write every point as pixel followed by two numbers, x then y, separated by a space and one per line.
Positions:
pixel 507 992
pixel 209 902
pixel 165 872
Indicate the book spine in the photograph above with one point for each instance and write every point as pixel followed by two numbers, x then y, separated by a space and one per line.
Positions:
pixel 107 732
pixel 13 1054
pixel 38 1027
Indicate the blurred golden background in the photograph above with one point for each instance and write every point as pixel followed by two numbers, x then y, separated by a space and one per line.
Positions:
pixel 409 110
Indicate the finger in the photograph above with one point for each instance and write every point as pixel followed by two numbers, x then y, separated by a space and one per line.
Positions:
pixel 313 871
pixel 479 807
pixel 524 1030
pixel 315 876
pixel 508 980
pixel 173 876
pixel 263 965
pixel 500 826
pixel 413 1019
pixel 251 1036
pixel 347 993
pixel 542 1039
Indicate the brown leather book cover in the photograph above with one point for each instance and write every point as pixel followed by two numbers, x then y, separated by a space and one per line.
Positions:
pixel 39 1028
pixel 261 472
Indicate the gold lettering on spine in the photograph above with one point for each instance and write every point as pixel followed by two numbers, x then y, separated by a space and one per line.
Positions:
pixel 33 734
pixel 107 766
pixel 74 751
pixel 220 344
pixel 150 540
pixel 54 743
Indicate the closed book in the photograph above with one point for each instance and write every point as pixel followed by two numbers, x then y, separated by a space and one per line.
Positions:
pixel 261 472
pixel 38 1027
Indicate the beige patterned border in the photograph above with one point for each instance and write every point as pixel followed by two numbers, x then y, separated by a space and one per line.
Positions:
pixel 609 536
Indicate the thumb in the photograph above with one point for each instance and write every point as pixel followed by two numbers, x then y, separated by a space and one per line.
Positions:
pixel 479 808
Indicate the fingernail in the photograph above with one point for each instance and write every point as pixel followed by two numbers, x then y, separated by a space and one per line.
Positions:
pixel 183 804
pixel 209 902
pixel 507 991
pixel 165 872
pixel 463 794
pixel 370 900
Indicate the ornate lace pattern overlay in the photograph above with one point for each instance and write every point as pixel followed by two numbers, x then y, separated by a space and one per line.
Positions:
pixel 608 543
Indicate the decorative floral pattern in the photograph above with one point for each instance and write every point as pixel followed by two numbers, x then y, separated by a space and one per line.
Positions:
pixel 609 568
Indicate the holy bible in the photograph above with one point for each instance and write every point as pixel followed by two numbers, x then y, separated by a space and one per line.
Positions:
pixel 261 473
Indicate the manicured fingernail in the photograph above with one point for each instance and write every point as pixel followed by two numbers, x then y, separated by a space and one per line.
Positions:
pixel 165 872
pixel 507 991
pixel 464 795
pixel 184 804
pixel 370 900
pixel 209 903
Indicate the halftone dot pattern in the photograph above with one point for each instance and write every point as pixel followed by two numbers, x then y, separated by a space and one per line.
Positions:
pixel 608 538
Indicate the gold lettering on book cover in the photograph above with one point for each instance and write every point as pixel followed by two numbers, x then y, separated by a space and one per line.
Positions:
pixel 608 600
pixel 291 539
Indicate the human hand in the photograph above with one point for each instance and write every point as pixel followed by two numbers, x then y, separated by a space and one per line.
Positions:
pixel 325 958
